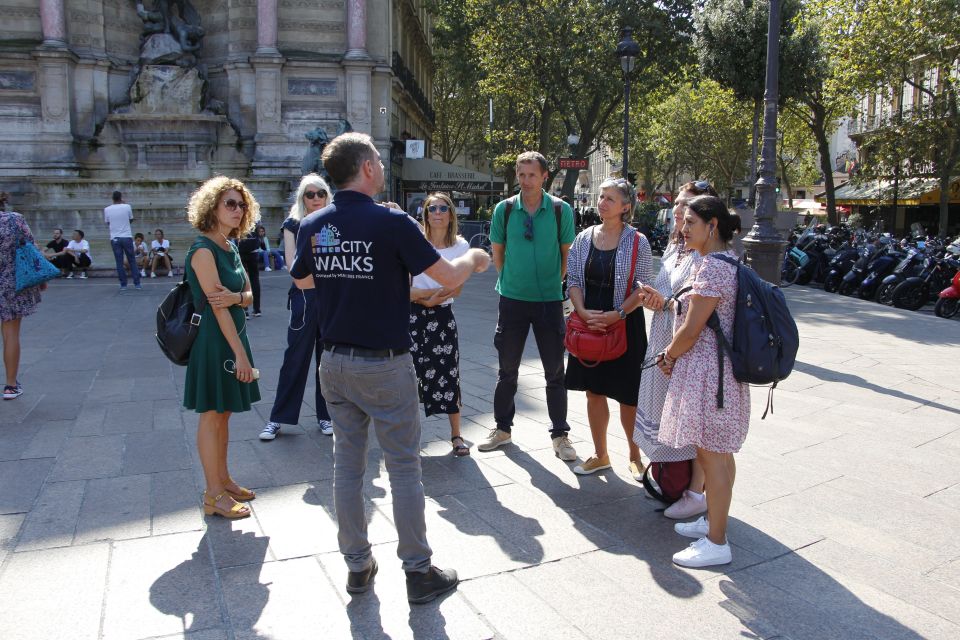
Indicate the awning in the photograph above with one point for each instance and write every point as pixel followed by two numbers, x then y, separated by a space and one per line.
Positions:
pixel 427 174
pixel 911 193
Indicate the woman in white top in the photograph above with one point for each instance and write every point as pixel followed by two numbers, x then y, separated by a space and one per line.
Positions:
pixel 160 248
pixel 436 349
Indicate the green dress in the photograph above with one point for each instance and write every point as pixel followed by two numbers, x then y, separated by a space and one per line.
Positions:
pixel 209 386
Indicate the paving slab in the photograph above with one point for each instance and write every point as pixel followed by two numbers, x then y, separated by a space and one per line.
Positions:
pixel 21 481
pixel 114 509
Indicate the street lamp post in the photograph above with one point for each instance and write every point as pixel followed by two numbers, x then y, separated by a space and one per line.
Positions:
pixel 627 51
pixel 764 246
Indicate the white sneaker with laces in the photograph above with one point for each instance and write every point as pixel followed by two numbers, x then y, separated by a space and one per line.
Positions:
pixel 695 529
pixel 268 269
pixel 687 506
pixel 69 276
pixel 270 431
pixel 564 449
pixel 143 273
pixel 83 276
pixel 326 427
pixel 497 438
pixel 703 553
pixel 170 273
pixel 153 274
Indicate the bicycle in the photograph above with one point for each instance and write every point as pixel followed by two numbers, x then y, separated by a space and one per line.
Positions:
pixel 482 240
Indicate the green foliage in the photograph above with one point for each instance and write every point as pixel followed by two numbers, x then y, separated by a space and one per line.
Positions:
pixel 705 130
pixel 855 221
pixel 797 159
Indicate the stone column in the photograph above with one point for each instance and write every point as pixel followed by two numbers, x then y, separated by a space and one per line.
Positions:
pixel 357 30
pixel 267 28
pixel 53 21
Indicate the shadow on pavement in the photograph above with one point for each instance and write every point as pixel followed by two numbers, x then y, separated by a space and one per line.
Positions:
pixel 830 375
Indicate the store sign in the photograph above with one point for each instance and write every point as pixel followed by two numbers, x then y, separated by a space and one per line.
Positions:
pixel 574 163
pixel 415 149
pixel 450 185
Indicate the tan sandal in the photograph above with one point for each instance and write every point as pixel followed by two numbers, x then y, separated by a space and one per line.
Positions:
pixel 235 512
pixel 244 495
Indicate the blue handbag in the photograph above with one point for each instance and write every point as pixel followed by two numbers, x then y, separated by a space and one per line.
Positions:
pixel 32 267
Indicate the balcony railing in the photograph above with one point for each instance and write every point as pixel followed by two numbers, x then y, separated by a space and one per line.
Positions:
pixel 409 82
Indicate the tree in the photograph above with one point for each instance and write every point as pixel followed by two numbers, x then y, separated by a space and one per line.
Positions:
pixel 796 153
pixel 460 111
pixel 551 70
pixel 731 44
pixel 892 44
pixel 706 129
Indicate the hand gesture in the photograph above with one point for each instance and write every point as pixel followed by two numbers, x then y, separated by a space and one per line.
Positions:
pixel 650 297
pixel 481 260
pixel 222 298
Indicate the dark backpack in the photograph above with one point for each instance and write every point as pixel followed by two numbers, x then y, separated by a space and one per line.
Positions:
pixel 557 213
pixel 765 337
pixel 666 481
pixel 178 323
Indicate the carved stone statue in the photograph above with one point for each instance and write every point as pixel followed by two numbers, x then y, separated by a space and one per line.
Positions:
pixel 318 139
pixel 171 33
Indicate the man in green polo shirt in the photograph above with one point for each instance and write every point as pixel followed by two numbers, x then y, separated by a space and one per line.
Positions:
pixel 530 252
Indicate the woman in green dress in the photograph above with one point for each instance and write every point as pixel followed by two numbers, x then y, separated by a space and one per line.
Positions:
pixel 220 375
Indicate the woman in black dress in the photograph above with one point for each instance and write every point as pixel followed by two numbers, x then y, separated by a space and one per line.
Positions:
pixel 599 267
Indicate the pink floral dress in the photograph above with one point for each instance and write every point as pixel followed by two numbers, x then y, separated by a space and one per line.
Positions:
pixel 690 413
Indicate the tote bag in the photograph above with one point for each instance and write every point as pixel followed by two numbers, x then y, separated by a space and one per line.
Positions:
pixel 32 267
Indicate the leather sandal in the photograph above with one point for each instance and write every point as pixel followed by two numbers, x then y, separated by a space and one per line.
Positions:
pixel 235 512
pixel 244 495
pixel 460 449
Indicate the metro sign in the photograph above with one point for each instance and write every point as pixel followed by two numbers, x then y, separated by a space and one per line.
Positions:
pixel 574 163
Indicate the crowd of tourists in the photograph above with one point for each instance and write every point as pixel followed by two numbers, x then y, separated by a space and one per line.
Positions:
pixel 372 298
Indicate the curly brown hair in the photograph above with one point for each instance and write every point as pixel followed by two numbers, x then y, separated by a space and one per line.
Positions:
pixel 202 208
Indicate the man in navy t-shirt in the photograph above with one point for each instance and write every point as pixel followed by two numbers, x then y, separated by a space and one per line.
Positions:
pixel 361 256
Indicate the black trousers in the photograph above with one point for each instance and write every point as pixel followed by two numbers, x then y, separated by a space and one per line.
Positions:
pixel 251 264
pixel 515 319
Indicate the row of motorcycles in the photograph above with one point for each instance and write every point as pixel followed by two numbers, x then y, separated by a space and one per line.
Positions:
pixel 906 274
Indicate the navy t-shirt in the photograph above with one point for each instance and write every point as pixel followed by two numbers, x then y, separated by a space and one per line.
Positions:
pixel 361 256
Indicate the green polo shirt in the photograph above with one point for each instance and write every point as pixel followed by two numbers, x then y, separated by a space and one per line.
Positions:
pixel 531 268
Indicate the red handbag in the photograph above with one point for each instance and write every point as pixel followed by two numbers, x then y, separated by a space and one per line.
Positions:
pixel 592 346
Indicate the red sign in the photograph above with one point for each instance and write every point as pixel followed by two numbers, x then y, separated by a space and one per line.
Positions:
pixel 573 163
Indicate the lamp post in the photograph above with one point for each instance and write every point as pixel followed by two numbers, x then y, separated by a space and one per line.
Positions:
pixel 763 244
pixel 627 51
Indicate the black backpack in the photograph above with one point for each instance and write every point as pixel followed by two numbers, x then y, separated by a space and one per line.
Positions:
pixel 178 323
pixel 765 336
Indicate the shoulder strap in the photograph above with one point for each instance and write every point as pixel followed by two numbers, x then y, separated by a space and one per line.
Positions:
pixel 633 264
pixel 726 258
pixel 558 213
pixel 506 217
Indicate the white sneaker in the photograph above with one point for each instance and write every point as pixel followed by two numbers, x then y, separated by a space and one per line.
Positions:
pixel 153 274
pixel 268 269
pixel 497 438
pixel 326 427
pixel 170 273
pixel 696 529
pixel 83 276
pixel 70 276
pixel 703 553
pixel 563 448
pixel 143 273
pixel 270 431
pixel 687 506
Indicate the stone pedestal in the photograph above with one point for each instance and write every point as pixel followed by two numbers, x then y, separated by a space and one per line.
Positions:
pixel 166 89
pixel 55 84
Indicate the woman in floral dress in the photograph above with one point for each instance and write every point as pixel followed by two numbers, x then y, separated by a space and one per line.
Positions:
pixel 14 305
pixel 436 348
pixel 690 412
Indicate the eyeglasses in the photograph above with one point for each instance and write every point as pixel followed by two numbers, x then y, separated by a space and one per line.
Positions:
pixel 703 185
pixel 232 204
pixel 434 208
pixel 310 195
pixel 528 228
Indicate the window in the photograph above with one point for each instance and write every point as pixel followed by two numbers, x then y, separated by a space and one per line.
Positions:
pixel 801 194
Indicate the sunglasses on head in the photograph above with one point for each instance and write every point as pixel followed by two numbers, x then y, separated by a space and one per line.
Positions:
pixel 434 208
pixel 232 204
pixel 319 193
pixel 528 228
pixel 703 185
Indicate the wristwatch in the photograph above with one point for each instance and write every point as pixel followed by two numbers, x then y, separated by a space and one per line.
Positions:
pixel 623 314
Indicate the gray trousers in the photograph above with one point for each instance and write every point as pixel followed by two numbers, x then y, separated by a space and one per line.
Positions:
pixel 383 390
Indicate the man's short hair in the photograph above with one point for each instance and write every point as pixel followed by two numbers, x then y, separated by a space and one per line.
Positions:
pixel 344 155
pixel 533 156
pixel 117 196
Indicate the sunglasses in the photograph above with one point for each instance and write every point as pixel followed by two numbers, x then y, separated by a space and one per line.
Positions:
pixel 232 204
pixel 434 208
pixel 703 185
pixel 528 228
pixel 310 195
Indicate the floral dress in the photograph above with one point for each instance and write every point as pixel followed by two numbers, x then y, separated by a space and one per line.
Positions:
pixel 690 413
pixel 14 304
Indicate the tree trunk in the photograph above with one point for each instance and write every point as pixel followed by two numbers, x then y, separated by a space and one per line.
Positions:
pixel 757 110
pixel 819 130
pixel 944 202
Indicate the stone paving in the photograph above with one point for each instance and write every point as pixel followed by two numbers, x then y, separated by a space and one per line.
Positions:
pixel 844 518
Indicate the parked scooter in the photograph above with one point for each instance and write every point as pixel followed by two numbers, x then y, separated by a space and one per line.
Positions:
pixel 914 292
pixel 839 265
pixel 948 303
pixel 852 279
pixel 911 265
pixel 878 269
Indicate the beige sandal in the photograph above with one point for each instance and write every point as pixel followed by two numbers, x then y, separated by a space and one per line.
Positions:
pixel 235 512
pixel 244 495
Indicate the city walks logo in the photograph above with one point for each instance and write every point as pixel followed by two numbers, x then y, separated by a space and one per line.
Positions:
pixel 336 257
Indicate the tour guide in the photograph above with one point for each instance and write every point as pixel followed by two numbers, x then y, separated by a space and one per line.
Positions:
pixel 361 255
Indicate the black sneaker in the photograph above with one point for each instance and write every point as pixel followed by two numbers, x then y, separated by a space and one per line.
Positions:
pixel 361 581
pixel 425 587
